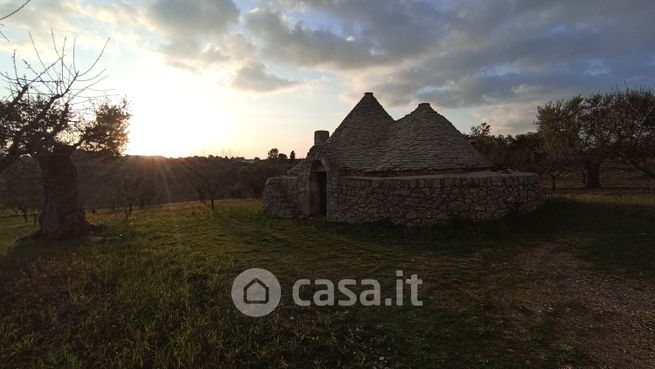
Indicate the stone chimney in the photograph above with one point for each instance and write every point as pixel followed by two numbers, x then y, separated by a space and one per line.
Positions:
pixel 321 137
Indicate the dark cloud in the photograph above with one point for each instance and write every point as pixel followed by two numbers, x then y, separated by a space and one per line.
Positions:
pixel 482 54
pixel 193 29
pixel 563 48
pixel 477 52
pixel 300 45
pixel 253 76
pixel 190 18
pixel 395 29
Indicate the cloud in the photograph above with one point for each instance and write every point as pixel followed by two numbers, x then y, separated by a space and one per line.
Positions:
pixel 191 18
pixel 193 30
pixel 395 29
pixel 53 26
pixel 490 55
pixel 55 14
pixel 253 76
pixel 296 44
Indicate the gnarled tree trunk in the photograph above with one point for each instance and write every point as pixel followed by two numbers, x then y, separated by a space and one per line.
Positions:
pixel 592 174
pixel 553 183
pixel 62 215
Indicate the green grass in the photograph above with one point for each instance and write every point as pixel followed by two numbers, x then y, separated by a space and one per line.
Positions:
pixel 154 291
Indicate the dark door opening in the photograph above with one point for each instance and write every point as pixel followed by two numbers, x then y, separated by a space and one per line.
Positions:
pixel 322 188
pixel 318 190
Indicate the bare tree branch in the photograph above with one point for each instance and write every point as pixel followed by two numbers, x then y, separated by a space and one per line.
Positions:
pixel 15 11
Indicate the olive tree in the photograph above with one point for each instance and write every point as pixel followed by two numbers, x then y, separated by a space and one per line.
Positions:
pixel 617 125
pixel 49 112
pixel 572 137
pixel 633 123
pixel 20 187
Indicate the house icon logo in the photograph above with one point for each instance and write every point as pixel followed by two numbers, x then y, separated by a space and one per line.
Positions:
pixel 256 292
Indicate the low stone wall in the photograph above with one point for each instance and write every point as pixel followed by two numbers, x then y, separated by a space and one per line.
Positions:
pixel 280 197
pixel 435 199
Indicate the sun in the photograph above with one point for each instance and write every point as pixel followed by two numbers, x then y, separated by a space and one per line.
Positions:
pixel 169 120
pixel 176 133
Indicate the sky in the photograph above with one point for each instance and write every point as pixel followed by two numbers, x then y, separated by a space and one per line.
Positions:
pixel 238 77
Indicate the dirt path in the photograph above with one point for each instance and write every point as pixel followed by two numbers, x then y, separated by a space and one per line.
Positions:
pixel 612 316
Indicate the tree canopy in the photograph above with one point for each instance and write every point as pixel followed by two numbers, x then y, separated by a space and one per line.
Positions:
pixel 594 129
pixel 51 104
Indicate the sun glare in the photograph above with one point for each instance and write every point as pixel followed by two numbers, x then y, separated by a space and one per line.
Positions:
pixel 175 122
pixel 176 132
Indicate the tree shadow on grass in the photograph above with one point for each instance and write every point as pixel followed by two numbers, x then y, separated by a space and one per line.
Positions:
pixel 610 233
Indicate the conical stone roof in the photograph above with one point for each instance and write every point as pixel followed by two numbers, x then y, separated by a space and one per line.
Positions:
pixel 369 140
pixel 357 142
pixel 426 140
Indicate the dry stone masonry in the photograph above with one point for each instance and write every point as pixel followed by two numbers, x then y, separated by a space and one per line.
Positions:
pixel 417 171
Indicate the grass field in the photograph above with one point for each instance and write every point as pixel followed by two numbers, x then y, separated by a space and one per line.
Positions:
pixel 568 286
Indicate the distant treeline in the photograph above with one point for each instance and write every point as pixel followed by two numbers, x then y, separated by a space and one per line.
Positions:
pixel 130 182
pixel 585 135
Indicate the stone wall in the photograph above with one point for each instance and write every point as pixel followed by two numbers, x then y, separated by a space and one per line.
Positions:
pixel 411 200
pixel 435 199
pixel 280 197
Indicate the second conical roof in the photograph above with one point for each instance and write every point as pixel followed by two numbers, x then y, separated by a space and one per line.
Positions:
pixel 369 140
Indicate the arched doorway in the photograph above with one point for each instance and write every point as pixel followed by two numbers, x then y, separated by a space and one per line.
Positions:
pixel 317 189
